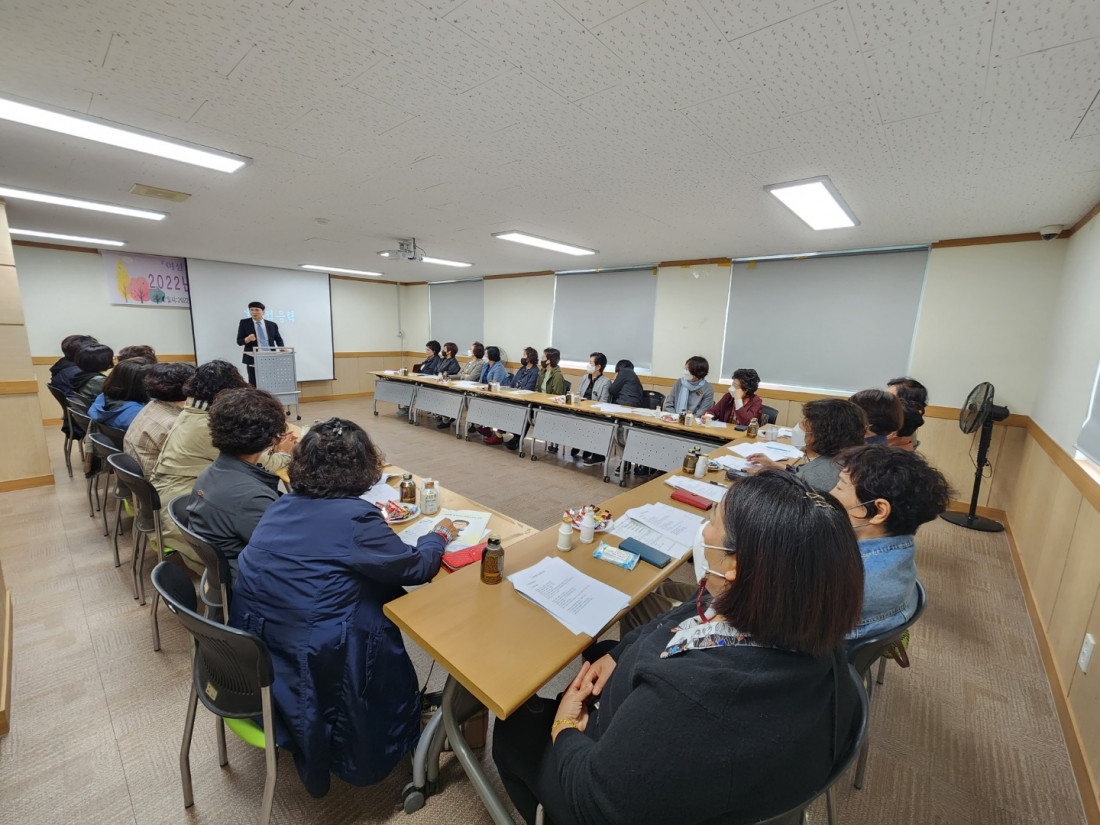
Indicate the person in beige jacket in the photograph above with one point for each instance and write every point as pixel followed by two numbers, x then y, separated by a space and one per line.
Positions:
pixel 188 449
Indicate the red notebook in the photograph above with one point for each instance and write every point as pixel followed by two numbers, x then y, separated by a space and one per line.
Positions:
pixel 690 498
pixel 460 558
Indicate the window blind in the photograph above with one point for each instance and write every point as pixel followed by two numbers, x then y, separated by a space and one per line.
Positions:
pixel 610 312
pixel 456 313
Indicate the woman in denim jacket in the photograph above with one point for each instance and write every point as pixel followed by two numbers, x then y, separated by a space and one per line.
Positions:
pixel 889 493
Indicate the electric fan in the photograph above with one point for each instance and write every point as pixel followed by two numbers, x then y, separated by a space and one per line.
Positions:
pixel 979 412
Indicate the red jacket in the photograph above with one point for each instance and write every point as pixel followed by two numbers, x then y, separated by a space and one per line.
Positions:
pixel 724 411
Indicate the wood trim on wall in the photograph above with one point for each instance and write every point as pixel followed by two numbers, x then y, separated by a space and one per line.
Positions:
pixel 337 397
pixel 1085 484
pixel 1088 216
pixel 988 239
pixel 366 279
pixel 378 354
pixel 19 387
pixel 518 275
pixel 696 262
pixel 14 242
pixel 48 360
pixel 25 483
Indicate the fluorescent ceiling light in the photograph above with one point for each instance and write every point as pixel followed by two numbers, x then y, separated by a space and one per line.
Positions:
pixel 442 261
pixel 543 243
pixel 317 268
pixel 31 233
pixel 816 202
pixel 76 203
pixel 103 132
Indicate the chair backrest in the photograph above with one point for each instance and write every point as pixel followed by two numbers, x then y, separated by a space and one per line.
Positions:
pixel 80 418
pixel 59 397
pixel 146 497
pixel 863 653
pixel 77 403
pixel 770 415
pixel 653 399
pixel 844 760
pixel 231 666
pixel 114 433
pixel 102 446
pixel 217 565
pixel 568 386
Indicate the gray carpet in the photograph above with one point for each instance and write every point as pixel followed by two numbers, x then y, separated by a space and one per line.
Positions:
pixel 969 734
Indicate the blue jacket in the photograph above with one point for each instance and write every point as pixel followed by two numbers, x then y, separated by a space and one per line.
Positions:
pixel 494 372
pixel 312 583
pixel 114 413
pixel 526 378
pixel 889 585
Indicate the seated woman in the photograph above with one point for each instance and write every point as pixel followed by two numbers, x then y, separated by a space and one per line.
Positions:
pixel 146 434
pixel 471 370
pixel 233 493
pixel 528 373
pixel 691 390
pixel 188 450
pixel 756 665
pixel 550 380
pixel 65 368
pixel 914 399
pixel 884 414
pixel 626 389
pixel 448 364
pixel 94 361
pixel 123 395
pixel 888 494
pixel 493 370
pixel 741 404
pixel 430 365
pixel 137 351
pixel 595 386
pixel 312 583
pixel 829 425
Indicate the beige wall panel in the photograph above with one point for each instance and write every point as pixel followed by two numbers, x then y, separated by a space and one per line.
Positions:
pixel 25 453
pixel 1030 519
pixel 1003 485
pixel 346 376
pixel 949 449
pixel 1073 603
pixel 11 305
pixel 312 389
pixel 15 354
pixel 364 316
pixel 784 407
pixel 7 256
pixel 1084 689
pixel 45 400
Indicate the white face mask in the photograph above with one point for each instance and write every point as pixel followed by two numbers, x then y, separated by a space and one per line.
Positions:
pixel 687 376
pixel 591 369
pixel 798 435
pixel 469 353
pixel 698 555
pixel 732 390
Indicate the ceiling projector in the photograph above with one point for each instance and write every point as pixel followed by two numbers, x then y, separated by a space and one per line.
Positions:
pixel 406 251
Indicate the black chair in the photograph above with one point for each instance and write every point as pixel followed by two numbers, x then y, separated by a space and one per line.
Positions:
pixel 769 415
pixel 146 524
pixel 102 448
pixel 83 424
pixel 231 673
pixel 214 587
pixel 653 400
pixel 121 494
pixel 66 426
pixel 863 653
pixel 78 403
pixel 114 433
pixel 568 386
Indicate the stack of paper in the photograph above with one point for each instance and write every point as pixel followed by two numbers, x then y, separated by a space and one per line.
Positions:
pixel 646 411
pixel 381 492
pixel 611 408
pixel 472 524
pixel 628 528
pixel 672 524
pixel 715 492
pixel 520 392
pixel 732 462
pixel 581 603
pixel 469 384
pixel 771 449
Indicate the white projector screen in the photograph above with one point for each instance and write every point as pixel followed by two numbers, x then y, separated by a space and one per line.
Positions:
pixel 297 301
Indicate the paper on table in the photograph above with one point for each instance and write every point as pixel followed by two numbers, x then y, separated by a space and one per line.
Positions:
pixel 391 372
pixel 581 603
pixel 716 425
pixel 381 492
pixel 628 528
pixel 646 411
pixel 732 462
pixel 477 522
pixel 612 408
pixel 714 492
pixel 771 449
pixel 520 392
pixel 468 384
pixel 417 530
pixel 677 524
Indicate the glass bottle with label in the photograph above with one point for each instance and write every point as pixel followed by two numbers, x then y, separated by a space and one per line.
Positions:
pixel 408 489
pixel 754 428
pixel 429 498
pixel 691 460
pixel 492 561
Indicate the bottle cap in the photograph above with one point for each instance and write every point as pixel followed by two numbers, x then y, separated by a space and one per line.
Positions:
pixel 566 520
pixel 407 476
pixel 429 483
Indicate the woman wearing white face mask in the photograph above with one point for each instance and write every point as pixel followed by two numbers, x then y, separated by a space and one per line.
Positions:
pixel 765 677
pixel 595 386
pixel 740 404
pixel 829 425
pixel 471 370
pixel 691 390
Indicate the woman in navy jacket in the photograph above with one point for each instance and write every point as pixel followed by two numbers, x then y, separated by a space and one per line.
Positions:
pixel 312 582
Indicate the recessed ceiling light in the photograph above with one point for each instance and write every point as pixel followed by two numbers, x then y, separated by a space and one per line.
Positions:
pixel 815 201
pixel 317 268
pixel 442 261
pixel 76 203
pixel 32 233
pixel 103 132
pixel 543 243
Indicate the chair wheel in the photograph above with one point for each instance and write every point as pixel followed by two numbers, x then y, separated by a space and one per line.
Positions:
pixel 521 455
pixel 376 412
pixel 412 798
pixel 622 483
pixel 417 424
pixel 534 457
pixel 467 438
pixel 606 479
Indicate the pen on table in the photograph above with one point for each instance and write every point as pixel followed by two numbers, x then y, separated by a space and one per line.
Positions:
pixel 717 484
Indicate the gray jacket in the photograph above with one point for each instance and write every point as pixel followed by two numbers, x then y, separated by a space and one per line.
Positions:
pixel 699 401
pixel 229 498
pixel 601 387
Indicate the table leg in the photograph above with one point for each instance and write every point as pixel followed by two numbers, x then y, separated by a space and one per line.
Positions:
pixel 454 695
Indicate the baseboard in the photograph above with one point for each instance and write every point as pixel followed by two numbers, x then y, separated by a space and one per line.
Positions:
pixel 1082 774
pixel 984 512
pixel 51 422
pixel 25 483
pixel 337 397
pixel 7 652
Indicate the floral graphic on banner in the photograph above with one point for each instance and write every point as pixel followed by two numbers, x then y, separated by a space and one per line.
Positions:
pixel 146 280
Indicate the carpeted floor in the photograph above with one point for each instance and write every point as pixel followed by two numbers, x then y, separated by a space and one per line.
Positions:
pixel 969 734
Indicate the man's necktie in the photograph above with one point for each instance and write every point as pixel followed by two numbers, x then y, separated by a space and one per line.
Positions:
pixel 261 329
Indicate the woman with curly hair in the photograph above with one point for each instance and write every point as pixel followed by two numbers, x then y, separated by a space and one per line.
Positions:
pixel 830 425
pixel 233 493
pixel 312 582
pixel 740 404
pixel 888 494
pixel 188 449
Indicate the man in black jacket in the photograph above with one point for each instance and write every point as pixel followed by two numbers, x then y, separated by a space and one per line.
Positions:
pixel 255 331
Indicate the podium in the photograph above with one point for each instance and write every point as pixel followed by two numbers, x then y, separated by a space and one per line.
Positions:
pixel 275 373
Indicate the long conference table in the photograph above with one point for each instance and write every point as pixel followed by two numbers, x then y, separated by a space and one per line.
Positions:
pixel 497 647
pixel 621 437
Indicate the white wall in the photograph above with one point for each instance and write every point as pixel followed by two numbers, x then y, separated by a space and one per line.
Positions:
pixel 364 316
pixel 690 318
pixel 985 315
pixel 518 313
pixel 66 292
pixel 414 318
pixel 1069 369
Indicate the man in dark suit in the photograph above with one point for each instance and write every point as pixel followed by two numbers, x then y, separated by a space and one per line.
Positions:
pixel 255 331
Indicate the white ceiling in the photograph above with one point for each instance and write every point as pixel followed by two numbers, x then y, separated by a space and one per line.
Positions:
pixel 643 129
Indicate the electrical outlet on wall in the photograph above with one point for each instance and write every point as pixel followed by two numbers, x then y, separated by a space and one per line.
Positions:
pixel 1086 653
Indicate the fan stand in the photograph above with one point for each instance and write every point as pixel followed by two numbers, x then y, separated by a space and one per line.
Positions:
pixel 970 520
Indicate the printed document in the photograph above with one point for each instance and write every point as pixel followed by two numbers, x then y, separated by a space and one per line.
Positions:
pixel 676 524
pixel 771 449
pixel 714 492
pixel 381 492
pixel 581 603
pixel 628 528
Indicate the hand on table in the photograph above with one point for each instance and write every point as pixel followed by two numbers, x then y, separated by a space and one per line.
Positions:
pixel 573 706
pixel 448 529
pixel 758 462
pixel 600 672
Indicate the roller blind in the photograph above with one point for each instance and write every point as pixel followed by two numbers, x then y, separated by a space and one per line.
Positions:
pixel 836 323
pixel 609 312
pixel 1088 442
pixel 456 313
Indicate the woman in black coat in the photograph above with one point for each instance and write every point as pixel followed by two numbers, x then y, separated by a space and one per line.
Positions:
pixel 729 709
pixel 626 389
